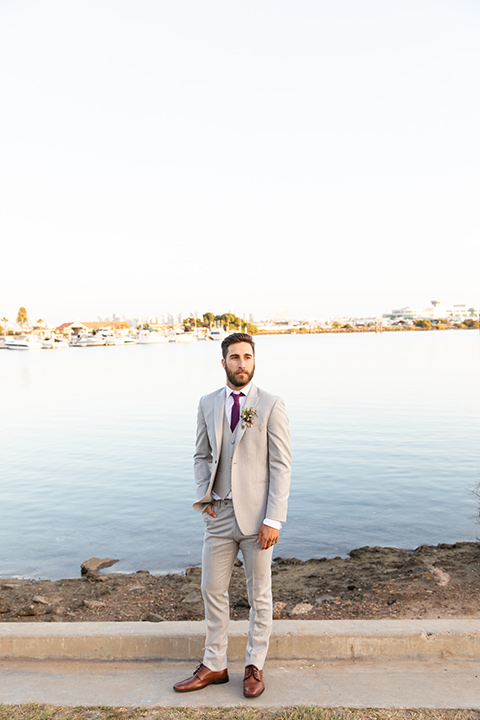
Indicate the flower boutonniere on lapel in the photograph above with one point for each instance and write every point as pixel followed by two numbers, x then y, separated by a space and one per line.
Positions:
pixel 248 415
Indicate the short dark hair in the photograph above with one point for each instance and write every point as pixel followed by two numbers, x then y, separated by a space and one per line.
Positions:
pixel 237 337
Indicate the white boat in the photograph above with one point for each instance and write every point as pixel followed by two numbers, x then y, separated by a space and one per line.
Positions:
pixel 180 336
pixel 217 334
pixel 187 337
pixel 88 341
pixel 23 342
pixel 54 343
pixel 150 337
pixel 107 334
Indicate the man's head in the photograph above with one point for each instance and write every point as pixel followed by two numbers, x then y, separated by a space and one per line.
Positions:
pixel 238 360
pixel 236 338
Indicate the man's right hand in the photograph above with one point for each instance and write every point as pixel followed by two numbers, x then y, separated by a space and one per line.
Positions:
pixel 209 510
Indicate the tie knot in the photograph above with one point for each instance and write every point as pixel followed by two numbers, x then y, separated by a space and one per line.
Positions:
pixel 236 397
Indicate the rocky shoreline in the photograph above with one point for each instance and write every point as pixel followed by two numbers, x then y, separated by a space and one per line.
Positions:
pixel 373 582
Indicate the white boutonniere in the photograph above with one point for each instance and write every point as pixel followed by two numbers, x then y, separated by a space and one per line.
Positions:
pixel 247 416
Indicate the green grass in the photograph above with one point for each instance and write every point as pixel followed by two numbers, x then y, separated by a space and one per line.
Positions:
pixel 50 712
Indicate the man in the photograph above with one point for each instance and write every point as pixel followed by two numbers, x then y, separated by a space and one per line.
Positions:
pixel 242 465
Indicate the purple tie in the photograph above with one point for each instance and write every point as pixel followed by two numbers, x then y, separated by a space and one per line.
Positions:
pixel 235 411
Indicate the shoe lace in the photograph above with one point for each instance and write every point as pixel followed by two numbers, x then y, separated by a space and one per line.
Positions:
pixel 252 670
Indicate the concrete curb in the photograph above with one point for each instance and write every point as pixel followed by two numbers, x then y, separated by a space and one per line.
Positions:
pixel 294 639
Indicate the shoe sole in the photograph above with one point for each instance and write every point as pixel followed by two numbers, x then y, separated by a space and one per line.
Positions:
pixel 254 695
pixel 213 682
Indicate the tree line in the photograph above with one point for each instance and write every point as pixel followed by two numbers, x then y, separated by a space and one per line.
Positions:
pixel 227 321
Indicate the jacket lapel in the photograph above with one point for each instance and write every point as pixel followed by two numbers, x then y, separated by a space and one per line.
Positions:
pixel 219 411
pixel 250 402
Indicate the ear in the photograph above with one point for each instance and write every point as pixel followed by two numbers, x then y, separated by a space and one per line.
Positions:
pixel 223 363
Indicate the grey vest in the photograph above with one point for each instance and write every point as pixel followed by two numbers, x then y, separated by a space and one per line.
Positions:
pixel 223 478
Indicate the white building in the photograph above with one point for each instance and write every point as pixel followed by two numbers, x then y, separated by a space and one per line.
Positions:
pixel 435 311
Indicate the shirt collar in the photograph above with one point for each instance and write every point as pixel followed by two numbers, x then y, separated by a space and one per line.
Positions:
pixel 245 390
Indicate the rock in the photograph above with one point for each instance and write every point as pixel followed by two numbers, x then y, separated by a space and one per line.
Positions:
pixel 301 609
pixel 238 563
pixel 103 591
pixel 326 597
pixel 415 562
pixel 4 608
pixel 93 604
pixel 192 597
pixel 95 577
pixel 40 600
pixel 29 611
pixel 193 571
pixel 153 617
pixel 93 565
pixel 441 577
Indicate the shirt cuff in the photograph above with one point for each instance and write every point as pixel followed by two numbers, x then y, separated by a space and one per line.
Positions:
pixel 273 523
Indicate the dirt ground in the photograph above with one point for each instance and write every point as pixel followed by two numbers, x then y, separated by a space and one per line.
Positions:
pixel 373 582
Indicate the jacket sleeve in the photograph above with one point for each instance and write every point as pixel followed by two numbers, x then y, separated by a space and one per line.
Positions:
pixel 280 462
pixel 202 458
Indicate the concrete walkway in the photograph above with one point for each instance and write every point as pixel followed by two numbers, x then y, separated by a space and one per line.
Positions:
pixel 349 663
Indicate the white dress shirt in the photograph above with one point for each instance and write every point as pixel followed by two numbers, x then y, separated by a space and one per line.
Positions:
pixel 228 412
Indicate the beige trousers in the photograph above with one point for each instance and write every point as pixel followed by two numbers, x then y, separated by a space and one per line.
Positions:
pixel 222 541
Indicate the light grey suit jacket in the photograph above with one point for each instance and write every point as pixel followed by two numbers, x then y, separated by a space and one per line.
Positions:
pixel 261 462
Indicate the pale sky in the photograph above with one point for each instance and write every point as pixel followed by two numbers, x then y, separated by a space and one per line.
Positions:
pixel 318 158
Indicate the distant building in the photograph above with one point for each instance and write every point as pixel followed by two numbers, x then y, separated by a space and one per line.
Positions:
pixel 73 328
pixel 435 311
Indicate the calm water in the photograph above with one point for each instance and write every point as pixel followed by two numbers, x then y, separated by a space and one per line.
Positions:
pixel 97 443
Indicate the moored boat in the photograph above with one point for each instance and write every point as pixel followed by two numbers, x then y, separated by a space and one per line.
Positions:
pixel 181 336
pixel 23 342
pixel 217 334
pixel 150 337
pixel 129 339
pixel 54 343
pixel 88 341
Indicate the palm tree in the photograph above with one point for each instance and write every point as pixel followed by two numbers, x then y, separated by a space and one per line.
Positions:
pixel 4 321
pixel 22 316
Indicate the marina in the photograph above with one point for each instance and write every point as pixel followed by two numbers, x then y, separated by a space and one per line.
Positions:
pixel 104 337
pixel 79 336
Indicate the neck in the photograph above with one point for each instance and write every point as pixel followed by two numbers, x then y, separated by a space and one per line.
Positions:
pixel 235 388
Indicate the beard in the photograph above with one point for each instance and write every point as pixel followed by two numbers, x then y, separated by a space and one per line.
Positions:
pixel 239 380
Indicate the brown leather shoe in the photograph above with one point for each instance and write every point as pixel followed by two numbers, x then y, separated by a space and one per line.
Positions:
pixel 201 677
pixel 253 684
